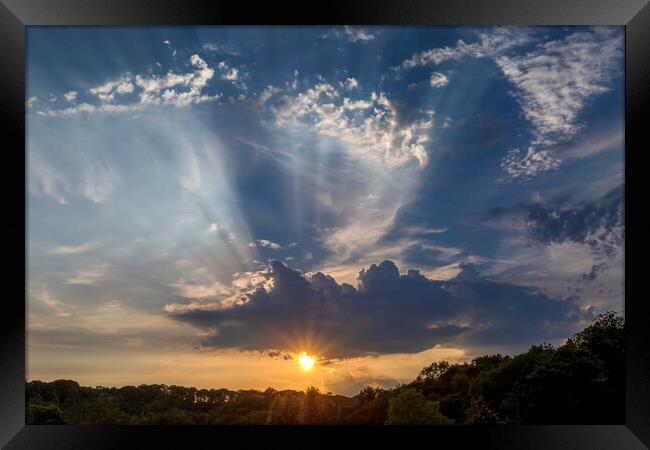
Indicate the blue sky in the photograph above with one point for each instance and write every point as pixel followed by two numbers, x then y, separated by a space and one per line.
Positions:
pixel 235 191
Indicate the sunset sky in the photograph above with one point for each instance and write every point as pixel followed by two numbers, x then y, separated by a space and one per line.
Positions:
pixel 207 203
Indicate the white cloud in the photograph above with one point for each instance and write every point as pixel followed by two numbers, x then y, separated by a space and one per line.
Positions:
pixel 554 81
pixel 438 80
pixel 553 84
pixel 70 96
pixel 369 128
pixel 156 84
pixel 351 84
pixel 268 244
pixel 527 167
pixel 73 249
pixel 166 42
pixel 489 44
pixel 155 90
pixel 106 92
pixel 213 227
pixel 356 34
pixel 268 92
pixel 223 48
pixel 81 107
pixel 228 73
pixel 31 101
pixel 216 295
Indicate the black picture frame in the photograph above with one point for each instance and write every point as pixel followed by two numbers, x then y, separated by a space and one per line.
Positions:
pixel 16 15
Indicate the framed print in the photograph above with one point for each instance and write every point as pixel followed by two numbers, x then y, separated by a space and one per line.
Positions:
pixel 361 223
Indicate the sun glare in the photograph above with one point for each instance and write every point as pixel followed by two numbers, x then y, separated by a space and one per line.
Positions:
pixel 306 361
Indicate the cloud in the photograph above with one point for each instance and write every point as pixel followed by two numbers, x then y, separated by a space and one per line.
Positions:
pixel 387 312
pixel 352 34
pixel 166 42
pixel 44 179
pixel 92 179
pixel 70 96
pixel 598 224
pixel 593 273
pixel 89 277
pixel 207 294
pixel 31 101
pixel 369 128
pixel 98 181
pixel 530 165
pixel 73 249
pixel 176 89
pixel 227 72
pixel 489 44
pixel 265 243
pixel 357 34
pixel 555 80
pixel 351 84
pixel 438 80
pixel 268 92
pixel 594 145
pixel 222 48
pixel 106 92
pixel 191 289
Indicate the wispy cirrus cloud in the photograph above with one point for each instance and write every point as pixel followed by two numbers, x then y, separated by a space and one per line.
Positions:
pixel 95 179
pixel 73 249
pixel 225 48
pixel 553 83
pixel 555 80
pixel 489 44
pixel 89 276
pixel 358 34
pixel 354 34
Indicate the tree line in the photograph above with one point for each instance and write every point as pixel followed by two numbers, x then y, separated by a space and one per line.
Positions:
pixel 581 381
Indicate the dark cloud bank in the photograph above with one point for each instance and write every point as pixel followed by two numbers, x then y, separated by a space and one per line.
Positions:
pixel 598 224
pixel 388 313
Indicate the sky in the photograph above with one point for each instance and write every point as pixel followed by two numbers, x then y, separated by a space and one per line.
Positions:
pixel 206 203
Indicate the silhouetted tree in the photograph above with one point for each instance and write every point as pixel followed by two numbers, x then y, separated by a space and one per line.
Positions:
pixel 409 407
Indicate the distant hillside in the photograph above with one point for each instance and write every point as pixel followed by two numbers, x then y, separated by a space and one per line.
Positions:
pixel 581 381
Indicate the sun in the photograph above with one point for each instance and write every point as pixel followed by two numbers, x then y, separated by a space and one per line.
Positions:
pixel 306 361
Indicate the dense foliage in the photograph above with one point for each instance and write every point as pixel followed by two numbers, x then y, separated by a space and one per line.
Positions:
pixel 581 381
